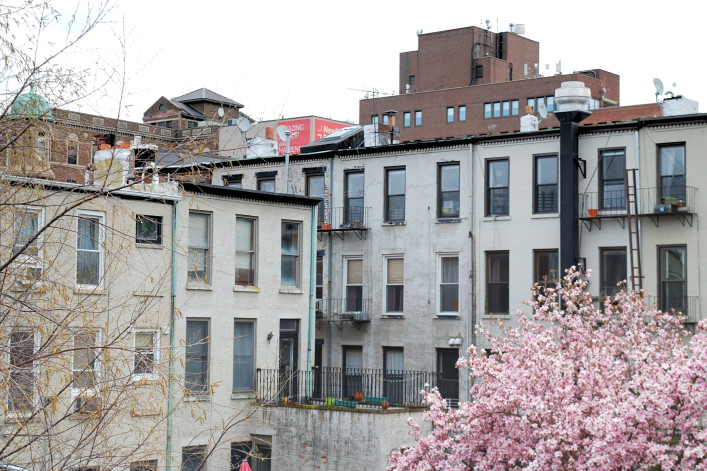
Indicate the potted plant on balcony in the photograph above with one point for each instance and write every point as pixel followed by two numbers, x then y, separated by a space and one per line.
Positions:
pixel 358 396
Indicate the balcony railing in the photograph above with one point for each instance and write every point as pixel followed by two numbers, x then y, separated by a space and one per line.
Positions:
pixel 612 203
pixel 353 217
pixel 348 309
pixel 399 388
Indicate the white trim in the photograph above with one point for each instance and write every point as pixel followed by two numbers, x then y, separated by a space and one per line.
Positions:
pixel 77 392
pixel 438 307
pixel 386 258
pixel 156 338
pixel 24 260
pixel 86 214
pixel 36 338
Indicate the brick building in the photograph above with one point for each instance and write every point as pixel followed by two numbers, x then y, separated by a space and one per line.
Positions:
pixel 471 81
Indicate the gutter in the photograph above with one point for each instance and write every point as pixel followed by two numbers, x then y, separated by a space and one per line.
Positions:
pixel 172 339
pixel 312 283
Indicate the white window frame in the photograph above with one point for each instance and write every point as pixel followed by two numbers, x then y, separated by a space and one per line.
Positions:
pixel 24 260
pixel 253 354
pixel 156 337
pixel 440 257
pixel 35 372
pixel 87 214
pixel 208 259
pixel 297 256
pixel 386 259
pixel 77 392
pixel 253 252
pixel 346 284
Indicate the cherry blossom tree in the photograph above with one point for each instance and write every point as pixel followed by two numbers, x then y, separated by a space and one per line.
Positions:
pixel 574 387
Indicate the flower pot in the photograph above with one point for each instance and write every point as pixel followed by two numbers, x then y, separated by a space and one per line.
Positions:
pixel 358 396
pixel 592 212
pixel 326 227
pixel 385 405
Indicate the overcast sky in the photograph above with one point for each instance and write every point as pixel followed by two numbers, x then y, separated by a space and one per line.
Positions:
pixel 294 58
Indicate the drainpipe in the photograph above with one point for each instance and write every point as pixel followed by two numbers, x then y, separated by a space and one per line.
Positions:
pixel 172 339
pixel 312 284
pixel 573 98
pixel 471 325
pixel 329 262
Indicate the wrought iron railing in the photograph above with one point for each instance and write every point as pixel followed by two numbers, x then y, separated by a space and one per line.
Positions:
pixel 398 388
pixel 352 217
pixel 348 309
pixel 652 200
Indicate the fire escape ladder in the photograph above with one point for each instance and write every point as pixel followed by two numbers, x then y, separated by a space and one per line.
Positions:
pixel 634 241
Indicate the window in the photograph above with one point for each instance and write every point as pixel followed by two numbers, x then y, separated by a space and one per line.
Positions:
pixel 462 113
pixel 245 251
pixel 497 109
pixel 148 229
pixel 257 453
pixel 353 197
pixel 394 290
pixel 233 181
pixel 353 369
pixel 150 465
pixel 243 355
pixel 147 354
pixel 487 110
pixel 418 118
pixel 479 71
pixel 395 194
pixel 315 188
pixel 85 370
pixel 449 284
pixel 194 458
pixel 611 178
pixel 354 285
pixel 20 389
pixel 514 107
pixel 72 149
pixel 406 119
pixel 550 100
pixel 196 362
pixel 546 264
pixel 448 184
pixel 393 375
pixel 450 114
pixel 267 184
pixel 192 124
pixel 320 277
pixel 546 184
pixel 289 261
pixel 497 282
pixel 672 172
pixel 43 147
pixel 531 103
pixel 497 194
pixel 27 224
pixel 613 269
pixel 506 108
pixel 673 278
pixel 374 120
pixel 199 247
pixel 411 80
pixel 89 249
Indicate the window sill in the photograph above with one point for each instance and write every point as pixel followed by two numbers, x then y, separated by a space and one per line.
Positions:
pixel 448 220
pixel 393 223
pixel 392 316
pixel 448 316
pixel 142 245
pixel 89 290
pixel 246 289
pixel 197 397
pixel 290 290
pixel 243 395
pixel 496 218
pixel 200 286
pixel 495 316
pixel 545 215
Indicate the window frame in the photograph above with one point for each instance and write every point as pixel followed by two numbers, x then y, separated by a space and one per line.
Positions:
pixel 262 181
pixel 663 303
pixel 194 452
pixel 204 389
pixel 552 278
pixel 608 287
pixel 491 208
pixel 681 193
pixel 100 217
pixel 195 280
pixel 158 223
pixel 450 114
pixel 501 283
pixel 407 119
pixel 395 287
pixel 441 193
pixel 441 283
pixel 462 113
pixel 349 218
pixel 308 191
pixel 31 371
pixel 251 386
pixel 153 373
pixel 488 110
pixel 388 195
pixel 618 152
pixel 253 252
pixel 418 117
pixel 554 206
pixel 72 149
pixel 296 255
pixel 356 306
pixel 27 259
pixel 80 393
pixel 233 181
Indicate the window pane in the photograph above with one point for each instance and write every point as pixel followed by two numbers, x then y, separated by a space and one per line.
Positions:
pixel 506 108
pixel 418 118
pixel 514 107
pixel 613 270
pixel 21 378
pixel 546 266
pixel 497 283
pixel 244 234
pixel 406 119
pixel 88 233
pixel 395 271
pixel 450 177
pixel 197 355
pixel 462 113
pixel 450 270
pixel 487 110
pixel 546 170
pixel 450 114
pixel 148 229
pixel 243 356
pixel 354 273
pixel 498 173
pixel 87 267
pixel 199 230
pixel 290 244
pixel 497 109
pixel 26 226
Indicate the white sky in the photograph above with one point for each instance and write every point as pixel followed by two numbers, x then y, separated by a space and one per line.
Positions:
pixel 294 58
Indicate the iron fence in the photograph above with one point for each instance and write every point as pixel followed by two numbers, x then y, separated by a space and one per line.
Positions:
pixel 348 309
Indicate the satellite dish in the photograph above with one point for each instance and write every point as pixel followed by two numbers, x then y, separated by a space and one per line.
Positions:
pixel 221 112
pixel 282 132
pixel 658 84
pixel 244 124
pixel 542 110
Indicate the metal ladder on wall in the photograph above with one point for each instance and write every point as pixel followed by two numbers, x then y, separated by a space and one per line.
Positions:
pixel 634 241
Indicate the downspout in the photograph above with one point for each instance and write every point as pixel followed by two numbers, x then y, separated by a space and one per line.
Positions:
pixel 172 339
pixel 638 186
pixel 312 283
pixel 329 263
pixel 471 325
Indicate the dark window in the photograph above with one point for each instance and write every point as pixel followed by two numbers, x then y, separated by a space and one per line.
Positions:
pixel 393 377
pixel 613 270
pixel 353 197
pixel 150 465
pixel 243 355
pixel 497 282
pixel 448 373
pixel 245 251
pixel 320 277
pixel 611 179
pixel 406 119
pixel 353 370
pixel 72 152
pixel 354 285
pixel 21 385
pixel 497 197
pixel 196 363
pixel 194 458
pixel 673 278
pixel 148 229
pixel 395 194
pixel 266 184
pixel 233 181
pixel 448 185
pixel 546 264
pixel 315 188
pixel 672 173
pixel 395 288
pixel 418 118
pixel 450 114
pixel 546 184
pixel 411 80
pixel 479 71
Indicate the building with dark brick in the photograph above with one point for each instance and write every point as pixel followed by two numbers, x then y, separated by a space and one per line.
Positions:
pixel 472 81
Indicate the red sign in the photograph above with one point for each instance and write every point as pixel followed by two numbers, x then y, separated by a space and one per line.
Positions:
pixel 299 135
pixel 323 127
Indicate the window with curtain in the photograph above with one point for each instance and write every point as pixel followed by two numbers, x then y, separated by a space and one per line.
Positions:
pixel 449 284
pixel 199 247
pixel 289 254
pixel 395 276
pixel 245 251
pixel 243 355
pixel 354 197
pixel 89 250
pixel 448 188
pixel 354 285
pixel 395 194
pixel 497 187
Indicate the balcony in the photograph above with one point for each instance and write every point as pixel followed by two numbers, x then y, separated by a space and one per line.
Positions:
pixel 360 387
pixel 654 203
pixel 338 311
pixel 342 220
